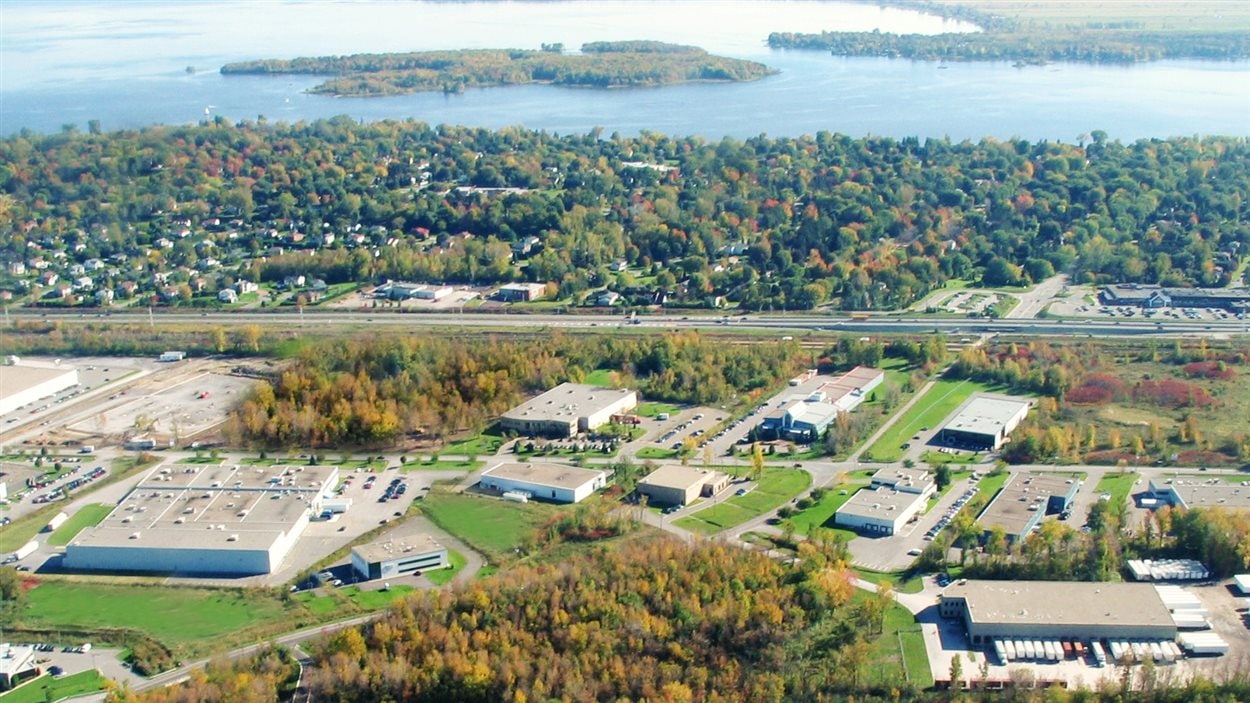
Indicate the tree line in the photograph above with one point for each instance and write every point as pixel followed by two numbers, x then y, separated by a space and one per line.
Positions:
pixel 600 65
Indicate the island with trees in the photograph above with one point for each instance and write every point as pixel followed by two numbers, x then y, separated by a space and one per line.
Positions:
pixel 1046 32
pixel 622 64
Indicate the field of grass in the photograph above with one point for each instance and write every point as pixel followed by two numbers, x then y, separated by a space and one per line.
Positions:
pixel 1118 485
pixel 600 377
pixel 376 599
pixel 444 465
pixel 477 445
pixel 656 453
pixel 88 516
pixel 776 487
pixel 898 653
pixel 1190 16
pixel 493 527
pixel 653 409
pixel 442 577
pixel 173 615
pixel 912 584
pixel 47 688
pixel 942 399
pixel 822 511
pixel 989 486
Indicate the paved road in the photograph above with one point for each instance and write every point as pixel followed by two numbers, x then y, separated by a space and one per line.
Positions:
pixel 766 322
pixel 1035 301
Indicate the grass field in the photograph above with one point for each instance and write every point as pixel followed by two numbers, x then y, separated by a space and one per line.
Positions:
pixel 822 512
pixel 656 453
pixel 653 409
pixel 476 445
pixel 942 399
pixel 47 688
pixel 912 584
pixel 775 488
pixel 87 516
pixel 1118 485
pixel 493 527
pixel 601 377
pixel 442 577
pixel 989 486
pixel 444 465
pixel 898 653
pixel 173 615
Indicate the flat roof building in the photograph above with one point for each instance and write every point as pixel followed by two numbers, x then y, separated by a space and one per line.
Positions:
pixel 881 510
pixel 680 485
pixel 16 662
pixel 553 482
pixel 1197 493
pixel 1057 610
pixel 400 557
pixel 205 519
pixel 1153 296
pixel 568 409
pixel 904 480
pixel 1025 499
pixel 985 421
pixel 24 382
pixel 521 292
pixel 805 418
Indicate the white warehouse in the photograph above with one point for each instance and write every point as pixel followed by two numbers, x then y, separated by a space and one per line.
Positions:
pixel 23 382
pixel 553 482
pixel 895 497
pixel 568 409
pixel 200 519
pixel 394 558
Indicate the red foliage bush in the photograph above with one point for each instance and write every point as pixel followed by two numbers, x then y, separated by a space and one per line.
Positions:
pixel 1209 369
pixel 1171 393
pixel 1195 457
pixel 1110 456
pixel 1097 389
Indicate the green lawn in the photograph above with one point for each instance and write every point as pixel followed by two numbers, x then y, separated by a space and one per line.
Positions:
pixel 444 465
pixel 989 486
pixel 493 527
pixel 822 512
pixel 23 530
pixel 47 688
pixel 88 516
pixel 942 399
pixel 776 487
pixel 653 409
pixel 656 453
pixel 898 653
pixel 172 615
pixel 376 599
pixel 1118 485
pixel 442 577
pixel 477 445
pixel 913 584
pixel 600 377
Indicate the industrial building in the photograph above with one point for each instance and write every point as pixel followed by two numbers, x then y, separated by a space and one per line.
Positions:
pixel 394 558
pixel 23 382
pixel 1057 610
pixel 568 409
pixel 1153 296
pixel 205 519
pixel 1199 493
pixel 805 417
pixel 680 485
pixel 880 511
pixel 417 291
pixel 904 480
pixel 984 422
pixel 17 661
pixel 521 292
pixel 1025 499
pixel 554 482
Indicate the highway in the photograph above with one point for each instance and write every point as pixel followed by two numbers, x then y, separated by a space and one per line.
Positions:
pixel 782 324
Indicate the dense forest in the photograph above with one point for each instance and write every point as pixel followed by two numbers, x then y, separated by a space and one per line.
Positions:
pixel 793 223
pixel 376 391
pixel 600 65
pixel 1102 46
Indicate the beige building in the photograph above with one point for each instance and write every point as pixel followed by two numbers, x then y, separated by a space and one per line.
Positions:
pixel 680 485
pixel 558 483
pixel 568 409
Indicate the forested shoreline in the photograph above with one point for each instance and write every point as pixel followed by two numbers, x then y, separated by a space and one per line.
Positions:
pixel 630 64
pixel 765 223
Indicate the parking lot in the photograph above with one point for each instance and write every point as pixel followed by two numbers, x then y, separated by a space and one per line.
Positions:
pixel 899 551
pixel 1081 306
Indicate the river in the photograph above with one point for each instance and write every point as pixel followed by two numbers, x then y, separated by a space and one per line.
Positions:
pixel 130 64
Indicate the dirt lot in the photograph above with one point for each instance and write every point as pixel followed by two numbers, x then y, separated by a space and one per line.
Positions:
pixel 184 405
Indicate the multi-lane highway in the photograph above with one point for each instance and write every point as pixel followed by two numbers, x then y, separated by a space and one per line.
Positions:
pixel 782 324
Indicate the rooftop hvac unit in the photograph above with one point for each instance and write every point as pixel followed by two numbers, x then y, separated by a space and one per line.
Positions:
pixel 241 513
pixel 126 520
pixel 179 520
pixel 188 511
pixel 134 535
pixel 232 538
